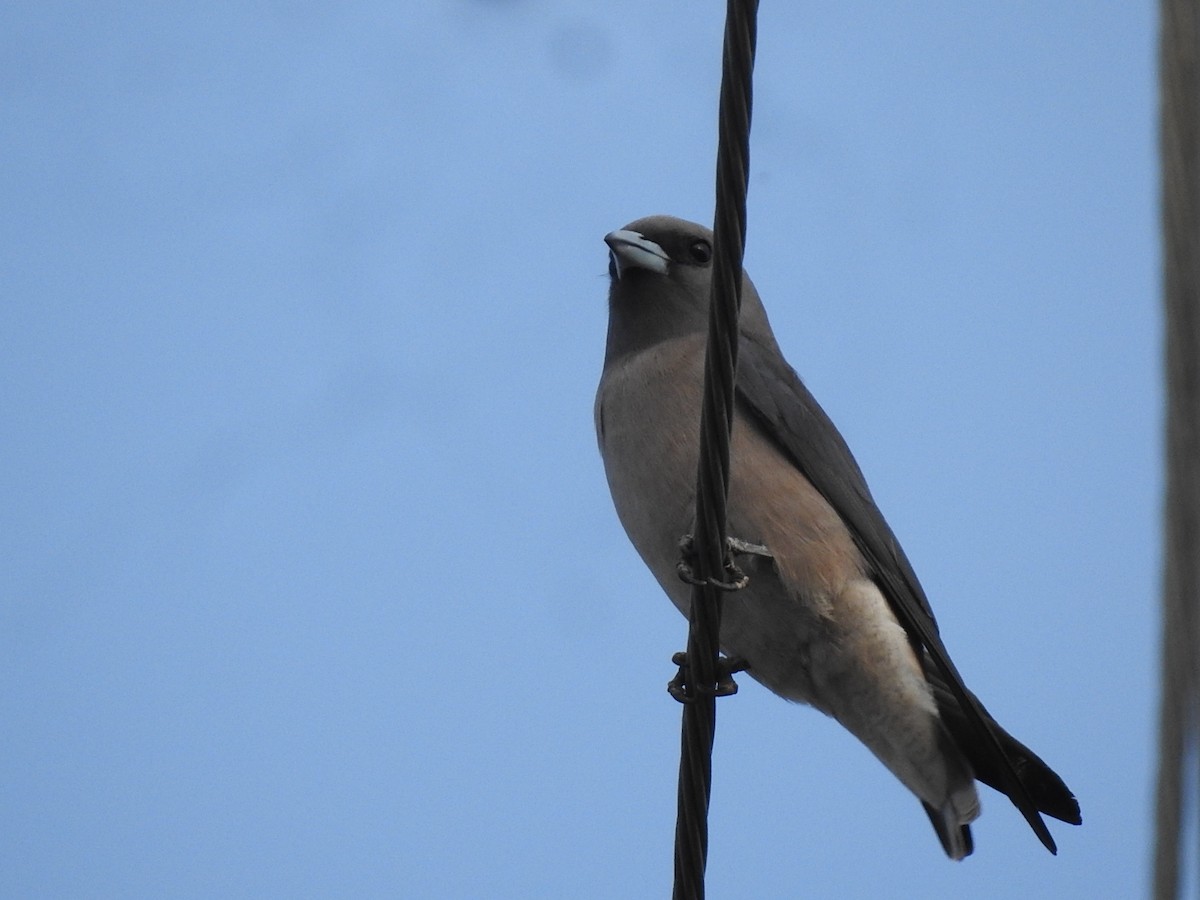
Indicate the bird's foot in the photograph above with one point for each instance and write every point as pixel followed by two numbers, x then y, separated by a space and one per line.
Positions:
pixel 735 579
pixel 682 690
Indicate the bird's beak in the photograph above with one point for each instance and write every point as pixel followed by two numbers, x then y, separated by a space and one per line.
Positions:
pixel 629 250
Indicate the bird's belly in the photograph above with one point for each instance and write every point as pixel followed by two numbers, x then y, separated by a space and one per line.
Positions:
pixel 648 429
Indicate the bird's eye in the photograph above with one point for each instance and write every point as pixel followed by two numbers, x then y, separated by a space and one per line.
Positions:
pixel 700 251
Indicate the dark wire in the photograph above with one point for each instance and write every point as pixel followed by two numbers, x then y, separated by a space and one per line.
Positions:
pixel 712 480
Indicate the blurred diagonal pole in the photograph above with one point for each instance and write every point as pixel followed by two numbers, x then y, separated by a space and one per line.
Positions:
pixel 1179 711
pixel 712 483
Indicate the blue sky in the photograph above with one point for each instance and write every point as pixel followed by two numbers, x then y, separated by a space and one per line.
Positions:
pixel 312 585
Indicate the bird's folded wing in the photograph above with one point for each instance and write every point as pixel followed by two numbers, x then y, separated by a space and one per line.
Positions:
pixel 776 401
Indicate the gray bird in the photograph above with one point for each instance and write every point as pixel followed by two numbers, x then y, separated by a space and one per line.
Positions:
pixel 834 617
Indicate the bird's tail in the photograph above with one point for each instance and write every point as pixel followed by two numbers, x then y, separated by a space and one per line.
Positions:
pixel 1045 788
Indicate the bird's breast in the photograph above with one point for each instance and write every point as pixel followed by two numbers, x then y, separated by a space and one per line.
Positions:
pixel 648 427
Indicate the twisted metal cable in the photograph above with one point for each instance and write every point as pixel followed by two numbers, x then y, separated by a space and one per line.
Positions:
pixel 1179 709
pixel 716 422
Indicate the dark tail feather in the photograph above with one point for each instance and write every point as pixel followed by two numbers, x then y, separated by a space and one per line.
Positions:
pixel 1045 788
pixel 956 839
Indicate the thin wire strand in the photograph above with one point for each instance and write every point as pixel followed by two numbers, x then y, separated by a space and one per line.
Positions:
pixel 712 480
pixel 1179 710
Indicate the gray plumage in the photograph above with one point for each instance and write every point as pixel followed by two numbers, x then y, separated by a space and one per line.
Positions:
pixel 836 617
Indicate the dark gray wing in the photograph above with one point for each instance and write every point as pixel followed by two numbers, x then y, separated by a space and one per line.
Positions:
pixel 776 400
